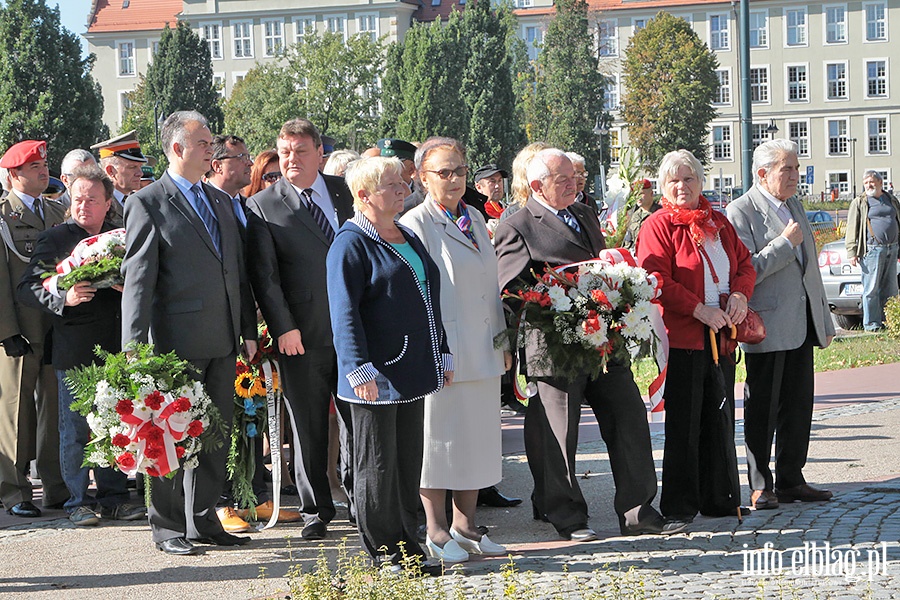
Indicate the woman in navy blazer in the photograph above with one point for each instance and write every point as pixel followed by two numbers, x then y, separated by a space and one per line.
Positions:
pixel 384 296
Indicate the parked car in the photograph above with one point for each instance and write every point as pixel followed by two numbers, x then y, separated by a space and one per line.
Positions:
pixel 843 284
pixel 715 200
pixel 820 221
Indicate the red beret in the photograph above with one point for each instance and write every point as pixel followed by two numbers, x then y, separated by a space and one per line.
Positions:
pixel 24 152
pixel 642 184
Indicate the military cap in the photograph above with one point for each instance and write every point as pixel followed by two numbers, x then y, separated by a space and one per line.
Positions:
pixel 327 145
pixel 487 171
pixel 24 152
pixel 398 148
pixel 124 146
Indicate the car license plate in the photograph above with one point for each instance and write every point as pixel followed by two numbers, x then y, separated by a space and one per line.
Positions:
pixel 852 289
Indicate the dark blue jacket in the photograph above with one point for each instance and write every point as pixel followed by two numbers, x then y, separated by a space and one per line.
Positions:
pixel 382 320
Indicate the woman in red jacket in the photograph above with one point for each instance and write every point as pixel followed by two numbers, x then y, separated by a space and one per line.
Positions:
pixel 696 254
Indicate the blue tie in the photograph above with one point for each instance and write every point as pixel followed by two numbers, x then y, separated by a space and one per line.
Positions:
pixel 318 215
pixel 207 216
pixel 569 220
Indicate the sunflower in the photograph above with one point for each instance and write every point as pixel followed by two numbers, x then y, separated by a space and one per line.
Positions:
pixel 259 387
pixel 276 384
pixel 243 385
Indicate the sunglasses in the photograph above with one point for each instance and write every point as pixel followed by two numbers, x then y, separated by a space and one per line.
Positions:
pixel 459 171
pixel 272 176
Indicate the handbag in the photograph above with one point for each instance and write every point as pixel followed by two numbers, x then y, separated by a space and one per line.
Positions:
pixel 751 330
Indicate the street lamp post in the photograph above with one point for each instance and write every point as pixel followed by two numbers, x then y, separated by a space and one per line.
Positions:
pixel 772 129
pixel 600 181
pixel 853 173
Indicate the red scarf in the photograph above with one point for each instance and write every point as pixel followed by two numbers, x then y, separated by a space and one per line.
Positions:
pixel 699 220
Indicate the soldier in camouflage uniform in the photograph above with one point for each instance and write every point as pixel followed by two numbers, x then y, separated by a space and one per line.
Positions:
pixel 644 208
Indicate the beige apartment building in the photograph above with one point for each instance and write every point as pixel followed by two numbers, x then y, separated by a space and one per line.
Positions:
pixel 821 73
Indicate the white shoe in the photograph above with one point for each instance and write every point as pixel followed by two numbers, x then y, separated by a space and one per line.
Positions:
pixel 484 546
pixel 450 553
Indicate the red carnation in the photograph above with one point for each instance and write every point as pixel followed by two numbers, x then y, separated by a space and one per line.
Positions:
pixel 152 471
pixel 121 440
pixel 599 296
pixel 195 429
pixel 154 435
pixel 124 407
pixel 241 368
pixel 179 451
pixel 126 460
pixel 182 405
pixel 154 400
pixel 152 452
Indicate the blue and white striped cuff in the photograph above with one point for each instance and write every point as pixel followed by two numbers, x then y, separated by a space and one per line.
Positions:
pixel 447 360
pixel 363 374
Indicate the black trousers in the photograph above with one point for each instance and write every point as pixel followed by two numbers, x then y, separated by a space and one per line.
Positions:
pixel 700 471
pixel 779 407
pixel 551 441
pixel 309 381
pixel 387 466
pixel 169 516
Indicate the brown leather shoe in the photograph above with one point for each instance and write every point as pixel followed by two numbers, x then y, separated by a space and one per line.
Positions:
pixel 264 513
pixel 803 493
pixel 763 499
pixel 230 520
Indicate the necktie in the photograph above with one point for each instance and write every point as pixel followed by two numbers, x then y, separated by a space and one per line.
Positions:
pixel 784 213
pixel 569 220
pixel 318 216
pixel 207 216
pixel 38 208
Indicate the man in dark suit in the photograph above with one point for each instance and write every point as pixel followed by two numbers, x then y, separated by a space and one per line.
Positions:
pixel 186 290
pixel 83 317
pixel 291 226
pixel 553 229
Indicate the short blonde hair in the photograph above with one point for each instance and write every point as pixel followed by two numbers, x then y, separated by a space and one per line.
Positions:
pixel 519 189
pixel 366 174
pixel 338 161
pixel 676 159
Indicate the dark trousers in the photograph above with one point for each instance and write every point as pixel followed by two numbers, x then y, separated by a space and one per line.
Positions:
pixel 169 515
pixel 779 406
pixel 309 381
pixel 345 459
pixel 387 461
pixel 700 463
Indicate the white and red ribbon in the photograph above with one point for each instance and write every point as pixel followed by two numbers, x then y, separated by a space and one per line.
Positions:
pixel 81 252
pixel 174 427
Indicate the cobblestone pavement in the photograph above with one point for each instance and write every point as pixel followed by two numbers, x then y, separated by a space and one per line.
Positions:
pixel 846 548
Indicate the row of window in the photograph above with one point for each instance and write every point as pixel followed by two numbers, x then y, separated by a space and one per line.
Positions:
pixel 273 33
pixel 837 133
pixel 795 23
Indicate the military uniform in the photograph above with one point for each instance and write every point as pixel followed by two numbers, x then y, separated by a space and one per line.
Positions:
pixel 29 418
pixel 635 219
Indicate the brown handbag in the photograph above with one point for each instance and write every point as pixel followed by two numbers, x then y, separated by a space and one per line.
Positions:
pixel 751 330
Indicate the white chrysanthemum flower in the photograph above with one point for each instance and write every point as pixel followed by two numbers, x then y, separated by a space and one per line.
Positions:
pixel 98 458
pixel 558 298
pixel 614 297
pixel 642 330
pixel 192 462
pixel 642 309
pixel 573 293
pixel 629 320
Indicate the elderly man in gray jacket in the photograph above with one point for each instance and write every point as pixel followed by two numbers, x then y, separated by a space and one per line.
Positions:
pixel 790 298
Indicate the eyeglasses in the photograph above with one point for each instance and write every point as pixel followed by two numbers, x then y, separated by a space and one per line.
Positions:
pixel 242 155
pixel 581 174
pixel 459 171
pixel 271 176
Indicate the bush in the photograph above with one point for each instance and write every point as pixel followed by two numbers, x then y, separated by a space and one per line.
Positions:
pixel 892 317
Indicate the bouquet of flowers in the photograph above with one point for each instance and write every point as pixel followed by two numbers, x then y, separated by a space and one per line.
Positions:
pixel 97 259
pixel 250 415
pixel 588 313
pixel 146 414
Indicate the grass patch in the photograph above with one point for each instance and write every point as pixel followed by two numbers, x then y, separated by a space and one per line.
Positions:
pixel 849 352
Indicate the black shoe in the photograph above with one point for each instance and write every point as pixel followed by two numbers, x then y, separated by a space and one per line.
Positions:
pixel 24 509
pixel 290 490
pixel 653 525
pixel 314 529
pixel 223 539
pixel 179 546
pixel 537 515
pixel 491 496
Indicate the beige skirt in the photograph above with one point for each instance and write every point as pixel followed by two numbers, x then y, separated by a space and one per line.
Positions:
pixel 462 436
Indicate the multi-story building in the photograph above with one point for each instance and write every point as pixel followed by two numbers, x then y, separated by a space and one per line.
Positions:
pixel 820 73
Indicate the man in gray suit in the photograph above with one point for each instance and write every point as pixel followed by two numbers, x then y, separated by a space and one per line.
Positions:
pixel 790 298
pixel 290 228
pixel 186 290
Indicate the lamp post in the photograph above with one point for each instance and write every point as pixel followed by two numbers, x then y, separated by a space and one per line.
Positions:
pixel 853 155
pixel 772 129
pixel 600 182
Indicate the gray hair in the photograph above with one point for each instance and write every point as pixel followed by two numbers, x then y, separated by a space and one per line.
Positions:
pixel 338 161
pixel 576 158
pixel 873 174
pixel 4 178
pixel 75 158
pixel 768 153
pixel 537 169
pixel 676 159
pixel 175 126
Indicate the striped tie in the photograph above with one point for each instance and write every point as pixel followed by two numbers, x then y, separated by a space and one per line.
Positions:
pixel 207 216
pixel 569 219
pixel 318 216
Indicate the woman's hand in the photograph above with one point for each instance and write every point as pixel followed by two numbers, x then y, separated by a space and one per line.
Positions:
pixel 737 307
pixel 448 378
pixel 715 318
pixel 80 292
pixel 367 391
pixel 507 360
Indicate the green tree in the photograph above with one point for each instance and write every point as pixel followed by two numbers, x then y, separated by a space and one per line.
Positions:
pixel 322 78
pixel 494 132
pixel 670 78
pixel 179 78
pixel 46 88
pixel 568 89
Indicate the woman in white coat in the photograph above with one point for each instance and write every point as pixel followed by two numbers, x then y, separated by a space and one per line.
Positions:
pixel 462 423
